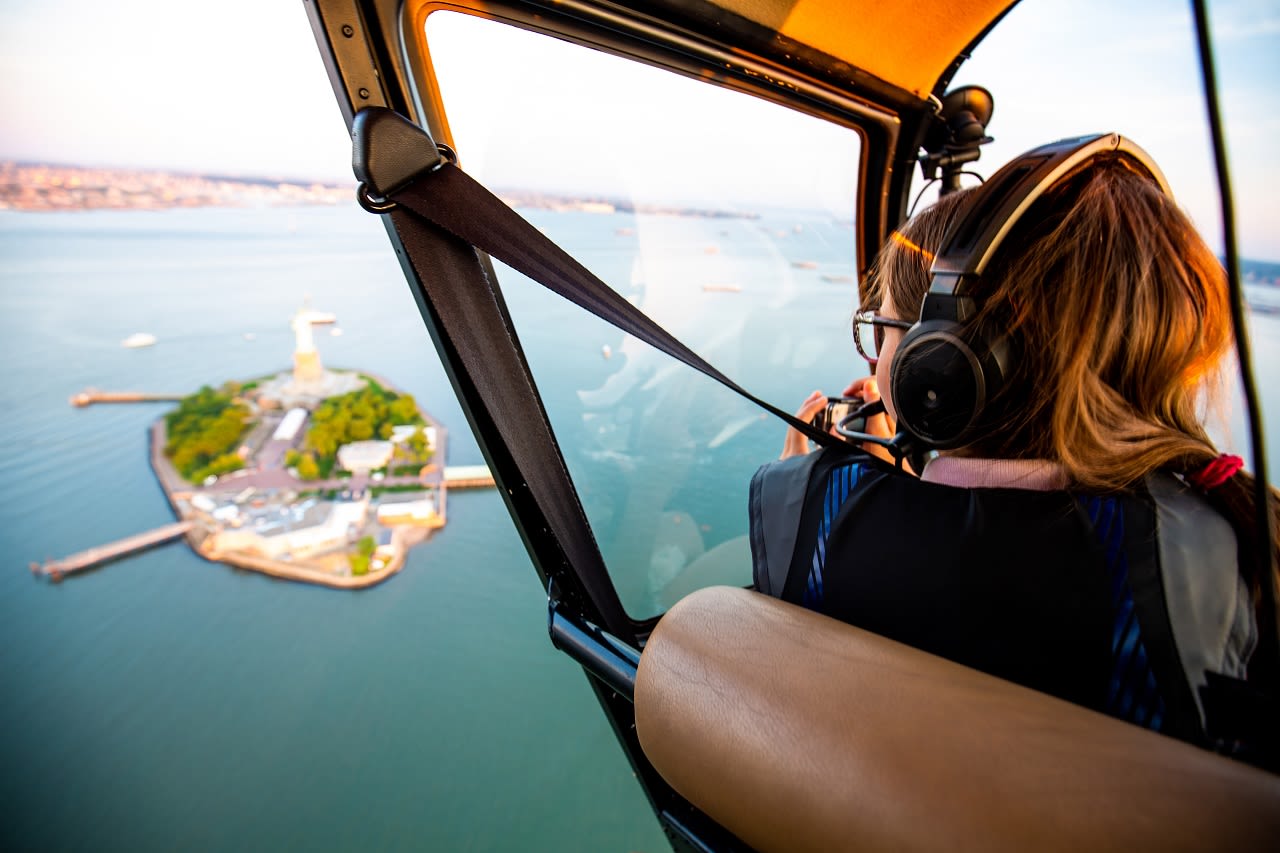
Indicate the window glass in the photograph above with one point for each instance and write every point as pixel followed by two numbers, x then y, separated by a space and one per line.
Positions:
pixel 727 219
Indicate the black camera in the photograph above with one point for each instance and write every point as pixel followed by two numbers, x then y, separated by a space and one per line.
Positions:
pixel 845 412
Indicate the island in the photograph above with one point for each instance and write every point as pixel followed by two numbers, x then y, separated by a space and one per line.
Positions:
pixel 318 475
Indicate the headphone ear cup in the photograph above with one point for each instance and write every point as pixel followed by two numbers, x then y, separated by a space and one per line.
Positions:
pixel 938 384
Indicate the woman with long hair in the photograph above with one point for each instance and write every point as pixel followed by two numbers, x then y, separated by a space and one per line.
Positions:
pixel 1085 537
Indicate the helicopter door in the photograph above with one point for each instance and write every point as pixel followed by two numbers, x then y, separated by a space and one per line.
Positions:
pixel 726 219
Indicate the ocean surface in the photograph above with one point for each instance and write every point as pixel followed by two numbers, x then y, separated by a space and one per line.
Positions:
pixel 163 702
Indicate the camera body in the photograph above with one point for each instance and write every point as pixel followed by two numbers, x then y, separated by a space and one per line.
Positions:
pixel 844 412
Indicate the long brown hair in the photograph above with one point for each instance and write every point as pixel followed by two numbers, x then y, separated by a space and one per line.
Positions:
pixel 1120 317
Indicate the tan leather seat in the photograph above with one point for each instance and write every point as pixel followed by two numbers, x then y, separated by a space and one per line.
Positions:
pixel 797 732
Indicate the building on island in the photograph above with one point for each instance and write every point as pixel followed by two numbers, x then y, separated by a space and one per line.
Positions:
pixel 364 456
pixel 401 434
pixel 203 503
pixel 468 476
pixel 309 528
pixel 420 513
pixel 288 428
pixel 383 556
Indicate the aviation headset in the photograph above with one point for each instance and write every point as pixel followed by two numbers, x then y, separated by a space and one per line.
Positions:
pixel 945 370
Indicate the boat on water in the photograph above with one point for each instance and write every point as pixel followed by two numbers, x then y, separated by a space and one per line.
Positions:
pixel 138 340
pixel 743 718
pixel 722 287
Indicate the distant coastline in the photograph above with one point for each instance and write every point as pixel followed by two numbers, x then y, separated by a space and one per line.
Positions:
pixel 1263 273
pixel 36 187
pixel 42 187
pixel 539 200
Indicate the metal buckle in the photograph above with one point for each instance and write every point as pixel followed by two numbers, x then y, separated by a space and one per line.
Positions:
pixel 371 204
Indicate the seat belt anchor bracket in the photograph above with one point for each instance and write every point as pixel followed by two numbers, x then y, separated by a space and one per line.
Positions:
pixel 389 152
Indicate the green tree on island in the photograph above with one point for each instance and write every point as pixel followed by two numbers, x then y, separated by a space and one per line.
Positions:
pixel 413 453
pixel 307 467
pixel 224 464
pixel 357 416
pixel 323 439
pixel 418 444
pixel 363 555
pixel 203 431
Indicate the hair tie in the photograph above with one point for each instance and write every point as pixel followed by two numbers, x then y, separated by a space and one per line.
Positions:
pixel 1217 472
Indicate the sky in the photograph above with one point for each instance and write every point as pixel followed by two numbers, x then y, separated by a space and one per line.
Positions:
pixel 238 87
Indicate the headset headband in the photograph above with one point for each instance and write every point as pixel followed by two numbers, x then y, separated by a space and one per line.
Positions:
pixel 1000 202
pixel 945 372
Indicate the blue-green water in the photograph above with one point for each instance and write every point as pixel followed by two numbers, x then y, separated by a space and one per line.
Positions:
pixel 163 702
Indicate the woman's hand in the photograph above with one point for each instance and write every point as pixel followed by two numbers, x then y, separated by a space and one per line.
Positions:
pixel 797 443
pixel 877 425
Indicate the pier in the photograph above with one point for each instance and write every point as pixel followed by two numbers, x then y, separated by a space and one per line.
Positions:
pixel 92 395
pixel 468 477
pixel 57 569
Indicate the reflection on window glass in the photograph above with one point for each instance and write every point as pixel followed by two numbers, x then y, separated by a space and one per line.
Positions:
pixel 726 219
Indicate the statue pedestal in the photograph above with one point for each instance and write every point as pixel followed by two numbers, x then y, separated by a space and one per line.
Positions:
pixel 306 367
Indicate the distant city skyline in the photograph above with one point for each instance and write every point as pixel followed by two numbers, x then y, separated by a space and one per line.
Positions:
pixel 50 187
pixel 239 89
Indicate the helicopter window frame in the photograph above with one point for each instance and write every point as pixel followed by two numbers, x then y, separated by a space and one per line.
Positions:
pixel 886 122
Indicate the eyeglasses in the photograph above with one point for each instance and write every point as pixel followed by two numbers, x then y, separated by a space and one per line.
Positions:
pixel 868 333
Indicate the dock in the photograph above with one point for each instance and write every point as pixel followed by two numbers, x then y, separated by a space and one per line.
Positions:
pixel 92 395
pixel 57 569
pixel 468 477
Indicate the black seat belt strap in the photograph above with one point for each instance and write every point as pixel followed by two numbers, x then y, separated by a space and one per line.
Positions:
pixel 460 300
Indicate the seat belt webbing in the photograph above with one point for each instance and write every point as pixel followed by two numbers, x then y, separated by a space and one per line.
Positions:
pixel 477 331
